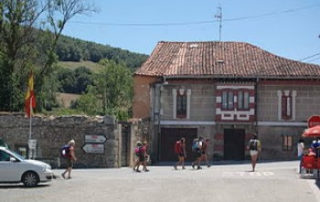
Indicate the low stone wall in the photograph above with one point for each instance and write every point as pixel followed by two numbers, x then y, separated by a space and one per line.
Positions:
pixel 52 133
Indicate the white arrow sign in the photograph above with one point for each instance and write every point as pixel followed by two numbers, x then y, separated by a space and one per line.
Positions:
pixel 93 148
pixel 95 138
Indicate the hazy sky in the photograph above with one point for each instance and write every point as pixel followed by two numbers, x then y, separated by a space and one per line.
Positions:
pixel 288 28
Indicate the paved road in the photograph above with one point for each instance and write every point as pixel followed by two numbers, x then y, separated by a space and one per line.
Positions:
pixel 277 182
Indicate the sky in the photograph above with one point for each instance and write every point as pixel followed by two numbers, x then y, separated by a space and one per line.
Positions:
pixel 288 28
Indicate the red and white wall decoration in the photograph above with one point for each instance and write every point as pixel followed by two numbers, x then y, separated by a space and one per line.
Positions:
pixel 235 102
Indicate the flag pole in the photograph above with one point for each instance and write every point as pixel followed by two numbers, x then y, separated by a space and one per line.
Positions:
pixel 30 126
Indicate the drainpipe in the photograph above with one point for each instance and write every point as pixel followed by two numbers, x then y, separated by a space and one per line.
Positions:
pixel 256 104
pixel 164 82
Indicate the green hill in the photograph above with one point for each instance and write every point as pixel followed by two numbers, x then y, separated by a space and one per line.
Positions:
pixel 76 50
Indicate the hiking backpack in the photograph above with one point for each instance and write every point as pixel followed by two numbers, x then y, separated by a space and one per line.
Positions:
pixel 138 150
pixel 177 147
pixel 65 151
pixel 195 145
pixel 253 145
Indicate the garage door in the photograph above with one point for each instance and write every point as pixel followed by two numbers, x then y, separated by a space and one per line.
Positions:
pixel 168 138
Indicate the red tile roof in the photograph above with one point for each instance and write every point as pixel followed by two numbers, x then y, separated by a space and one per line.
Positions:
pixel 222 59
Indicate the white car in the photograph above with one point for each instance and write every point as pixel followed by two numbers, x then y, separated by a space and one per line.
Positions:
pixel 14 168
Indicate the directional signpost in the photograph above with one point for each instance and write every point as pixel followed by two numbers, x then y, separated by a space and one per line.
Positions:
pixel 93 148
pixel 95 139
pixel 94 144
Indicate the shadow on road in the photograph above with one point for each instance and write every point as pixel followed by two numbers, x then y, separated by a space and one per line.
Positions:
pixel 318 183
pixel 21 186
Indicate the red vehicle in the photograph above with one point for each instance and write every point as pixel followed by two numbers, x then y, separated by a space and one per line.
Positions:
pixel 311 162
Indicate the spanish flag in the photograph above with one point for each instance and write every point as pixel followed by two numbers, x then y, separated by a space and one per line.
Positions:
pixel 29 100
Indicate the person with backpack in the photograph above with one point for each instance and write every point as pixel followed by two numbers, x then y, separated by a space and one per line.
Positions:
pixel 140 152
pixel 196 148
pixel 204 148
pixel 137 152
pixel 68 153
pixel 180 150
pixel 254 147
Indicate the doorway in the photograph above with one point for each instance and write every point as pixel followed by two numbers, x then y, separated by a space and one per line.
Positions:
pixel 169 136
pixel 234 144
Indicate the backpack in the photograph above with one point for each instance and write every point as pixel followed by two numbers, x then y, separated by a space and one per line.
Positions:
pixel 64 151
pixel 138 150
pixel 177 147
pixel 195 145
pixel 253 145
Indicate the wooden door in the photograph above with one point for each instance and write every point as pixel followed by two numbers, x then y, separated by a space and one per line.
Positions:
pixel 234 144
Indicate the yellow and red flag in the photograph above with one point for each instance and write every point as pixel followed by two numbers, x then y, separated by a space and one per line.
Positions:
pixel 29 100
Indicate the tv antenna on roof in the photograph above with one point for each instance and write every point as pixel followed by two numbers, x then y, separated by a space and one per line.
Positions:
pixel 219 17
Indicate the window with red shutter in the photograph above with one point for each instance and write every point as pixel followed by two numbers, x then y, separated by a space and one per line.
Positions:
pixel 182 105
pixel 286 107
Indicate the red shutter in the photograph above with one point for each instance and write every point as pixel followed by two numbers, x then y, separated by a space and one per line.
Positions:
pixel 284 107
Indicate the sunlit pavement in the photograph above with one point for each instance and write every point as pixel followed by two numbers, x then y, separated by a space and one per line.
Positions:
pixel 276 181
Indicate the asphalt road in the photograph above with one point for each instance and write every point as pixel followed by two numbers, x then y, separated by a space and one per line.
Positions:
pixel 278 182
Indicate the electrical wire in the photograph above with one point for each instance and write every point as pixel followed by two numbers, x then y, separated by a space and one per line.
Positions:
pixel 196 22
pixel 309 57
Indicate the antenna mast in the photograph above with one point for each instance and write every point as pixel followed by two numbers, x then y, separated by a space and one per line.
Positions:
pixel 219 17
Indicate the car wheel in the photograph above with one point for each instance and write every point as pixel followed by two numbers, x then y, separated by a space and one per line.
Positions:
pixel 30 179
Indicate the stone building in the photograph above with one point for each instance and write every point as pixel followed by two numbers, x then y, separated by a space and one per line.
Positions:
pixel 225 91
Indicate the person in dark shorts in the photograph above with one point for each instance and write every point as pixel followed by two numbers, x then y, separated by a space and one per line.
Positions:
pixel 204 148
pixel 196 148
pixel 140 157
pixel 70 160
pixel 180 149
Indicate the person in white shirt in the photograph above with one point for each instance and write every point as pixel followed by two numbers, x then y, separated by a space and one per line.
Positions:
pixel 300 148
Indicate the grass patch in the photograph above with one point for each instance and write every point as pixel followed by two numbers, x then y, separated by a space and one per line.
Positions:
pixel 94 67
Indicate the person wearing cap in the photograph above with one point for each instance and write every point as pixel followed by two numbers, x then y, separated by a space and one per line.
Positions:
pixel 70 160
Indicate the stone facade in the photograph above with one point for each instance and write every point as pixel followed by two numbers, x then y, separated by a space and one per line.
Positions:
pixel 266 122
pixel 52 133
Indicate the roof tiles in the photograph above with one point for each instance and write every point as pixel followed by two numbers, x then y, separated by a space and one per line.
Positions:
pixel 222 59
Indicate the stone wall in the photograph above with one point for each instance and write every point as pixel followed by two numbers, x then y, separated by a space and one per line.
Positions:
pixel 52 133
pixel 202 101
pixel 307 101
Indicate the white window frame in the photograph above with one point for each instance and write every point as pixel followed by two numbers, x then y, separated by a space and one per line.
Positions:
pixel 174 97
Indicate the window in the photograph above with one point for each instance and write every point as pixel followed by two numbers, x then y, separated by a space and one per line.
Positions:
pixel 286 107
pixel 243 100
pixel 227 100
pixel 4 156
pixel 287 143
pixel 181 104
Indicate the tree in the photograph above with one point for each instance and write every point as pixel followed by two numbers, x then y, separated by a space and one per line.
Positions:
pixel 112 88
pixel 17 34
pixel 20 34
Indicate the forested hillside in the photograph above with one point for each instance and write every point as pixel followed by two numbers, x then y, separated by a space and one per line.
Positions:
pixel 71 49
pixel 31 50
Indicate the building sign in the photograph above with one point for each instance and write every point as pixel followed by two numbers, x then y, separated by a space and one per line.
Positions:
pixel 93 148
pixel 95 139
pixel 313 121
pixel 32 143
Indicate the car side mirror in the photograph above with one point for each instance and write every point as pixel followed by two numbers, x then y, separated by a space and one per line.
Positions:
pixel 12 159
